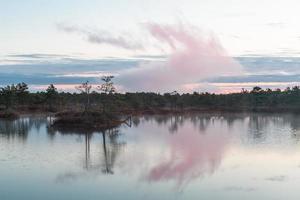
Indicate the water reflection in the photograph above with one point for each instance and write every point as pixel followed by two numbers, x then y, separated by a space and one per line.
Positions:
pixel 103 160
pixel 191 152
pixel 111 147
pixel 191 155
pixel 19 129
pixel 178 149
pixel 111 150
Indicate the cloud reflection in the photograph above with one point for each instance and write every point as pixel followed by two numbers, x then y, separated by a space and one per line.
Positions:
pixel 191 155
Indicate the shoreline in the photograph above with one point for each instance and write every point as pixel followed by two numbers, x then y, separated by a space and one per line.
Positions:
pixel 79 121
pixel 164 111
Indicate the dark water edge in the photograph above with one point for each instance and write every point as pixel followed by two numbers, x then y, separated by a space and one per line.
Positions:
pixel 162 110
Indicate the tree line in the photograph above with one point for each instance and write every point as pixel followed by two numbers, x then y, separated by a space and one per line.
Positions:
pixel 104 97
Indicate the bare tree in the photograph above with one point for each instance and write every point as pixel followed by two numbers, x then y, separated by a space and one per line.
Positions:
pixel 85 88
pixel 108 88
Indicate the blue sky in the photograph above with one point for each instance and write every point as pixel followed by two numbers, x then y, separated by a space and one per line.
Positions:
pixel 67 41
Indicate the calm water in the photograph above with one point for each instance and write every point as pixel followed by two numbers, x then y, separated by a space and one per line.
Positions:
pixel 228 156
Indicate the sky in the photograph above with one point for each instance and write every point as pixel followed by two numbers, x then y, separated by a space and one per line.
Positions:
pixel 154 45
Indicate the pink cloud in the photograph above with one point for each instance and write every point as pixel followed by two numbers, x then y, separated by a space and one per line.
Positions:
pixel 192 57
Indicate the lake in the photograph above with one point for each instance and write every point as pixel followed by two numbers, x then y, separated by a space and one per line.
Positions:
pixel 197 156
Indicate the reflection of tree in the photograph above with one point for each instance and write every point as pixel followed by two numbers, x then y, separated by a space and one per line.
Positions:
pixel 294 121
pixel 256 126
pixel 204 122
pixel 136 121
pixel 110 150
pixel 262 127
pixel 176 121
pixel 258 123
pixel 19 129
pixel 159 119
pixel 111 147
pixel 87 150
pixel 234 117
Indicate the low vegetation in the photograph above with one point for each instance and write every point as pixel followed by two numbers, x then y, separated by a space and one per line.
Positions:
pixel 94 106
pixel 91 120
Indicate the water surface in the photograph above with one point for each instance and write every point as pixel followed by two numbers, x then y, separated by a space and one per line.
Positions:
pixel 203 156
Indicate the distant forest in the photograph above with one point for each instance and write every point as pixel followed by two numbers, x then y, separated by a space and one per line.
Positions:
pixel 104 97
